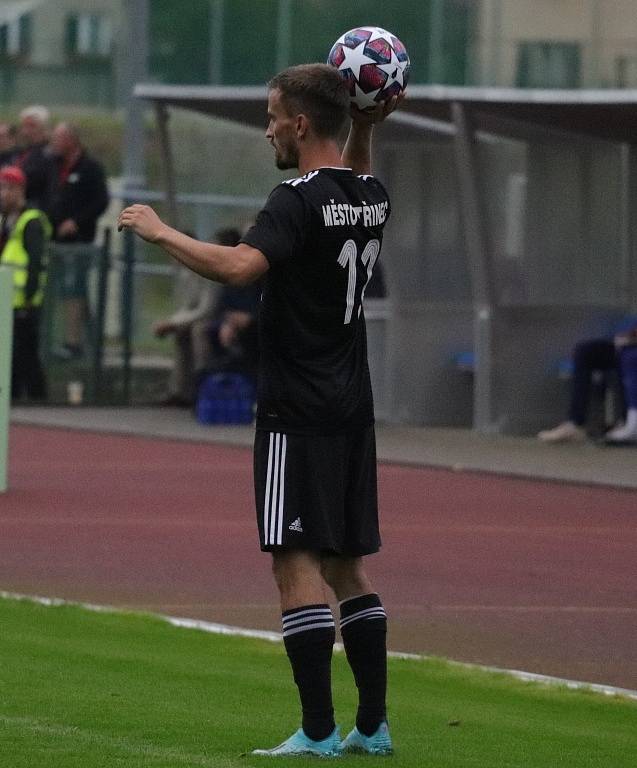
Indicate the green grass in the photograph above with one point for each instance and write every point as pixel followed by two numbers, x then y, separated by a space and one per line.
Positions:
pixel 86 690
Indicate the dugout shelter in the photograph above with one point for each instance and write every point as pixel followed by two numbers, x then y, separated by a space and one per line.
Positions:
pixel 512 237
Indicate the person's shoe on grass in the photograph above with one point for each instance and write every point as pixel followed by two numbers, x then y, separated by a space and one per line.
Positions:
pixel 379 743
pixel 300 744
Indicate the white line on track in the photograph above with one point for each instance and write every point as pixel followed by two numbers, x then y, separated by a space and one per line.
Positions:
pixel 276 637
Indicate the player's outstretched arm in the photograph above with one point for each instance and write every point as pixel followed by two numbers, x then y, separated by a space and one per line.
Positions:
pixel 357 152
pixel 239 265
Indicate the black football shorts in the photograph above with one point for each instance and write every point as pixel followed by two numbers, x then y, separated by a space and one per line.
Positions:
pixel 317 492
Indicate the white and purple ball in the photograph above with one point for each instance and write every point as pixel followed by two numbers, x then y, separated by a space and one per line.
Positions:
pixel 373 62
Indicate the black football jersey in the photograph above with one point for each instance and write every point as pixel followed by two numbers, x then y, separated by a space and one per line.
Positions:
pixel 321 234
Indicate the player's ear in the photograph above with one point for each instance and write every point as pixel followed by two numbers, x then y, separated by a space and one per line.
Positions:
pixel 302 126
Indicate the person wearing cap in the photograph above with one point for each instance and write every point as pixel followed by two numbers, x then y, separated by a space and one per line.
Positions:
pixel 24 236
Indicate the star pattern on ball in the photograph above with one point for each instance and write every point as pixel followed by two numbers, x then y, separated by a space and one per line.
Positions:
pixel 381 34
pixel 355 58
pixel 362 97
pixel 394 70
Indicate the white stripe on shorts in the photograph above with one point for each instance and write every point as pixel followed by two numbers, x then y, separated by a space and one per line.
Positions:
pixel 274 490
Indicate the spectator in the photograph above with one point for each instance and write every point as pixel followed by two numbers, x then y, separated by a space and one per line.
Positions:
pixel 8 145
pixel 79 199
pixel 24 235
pixel 234 334
pixel 605 354
pixel 34 158
pixel 198 299
pixel 626 344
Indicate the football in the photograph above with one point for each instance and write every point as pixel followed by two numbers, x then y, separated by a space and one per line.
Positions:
pixel 373 62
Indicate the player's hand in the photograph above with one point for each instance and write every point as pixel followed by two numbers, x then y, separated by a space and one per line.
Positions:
pixel 382 110
pixel 143 220
pixel 162 328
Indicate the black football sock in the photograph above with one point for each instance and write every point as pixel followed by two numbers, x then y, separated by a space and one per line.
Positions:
pixel 308 634
pixel 364 633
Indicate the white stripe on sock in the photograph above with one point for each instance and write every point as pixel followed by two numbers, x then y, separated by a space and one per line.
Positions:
pixel 318 616
pixel 317 625
pixel 305 611
pixel 369 613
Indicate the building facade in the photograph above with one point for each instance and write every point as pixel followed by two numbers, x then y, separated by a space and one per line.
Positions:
pixel 555 44
pixel 68 51
pixel 59 51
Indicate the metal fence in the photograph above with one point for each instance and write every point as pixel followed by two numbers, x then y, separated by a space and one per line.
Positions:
pixel 129 286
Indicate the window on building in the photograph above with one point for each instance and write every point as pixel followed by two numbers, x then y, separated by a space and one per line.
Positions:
pixel 548 65
pixel 15 38
pixel 89 35
pixel 626 72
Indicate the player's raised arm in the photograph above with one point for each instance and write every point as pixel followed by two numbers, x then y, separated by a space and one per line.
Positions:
pixel 238 265
pixel 357 152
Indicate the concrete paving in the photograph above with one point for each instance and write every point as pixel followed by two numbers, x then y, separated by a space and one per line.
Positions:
pixel 457 449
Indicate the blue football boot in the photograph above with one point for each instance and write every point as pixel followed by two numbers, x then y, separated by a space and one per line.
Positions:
pixel 379 743
pixel 300 744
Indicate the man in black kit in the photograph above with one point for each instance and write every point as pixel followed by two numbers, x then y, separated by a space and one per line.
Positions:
pixel 314 246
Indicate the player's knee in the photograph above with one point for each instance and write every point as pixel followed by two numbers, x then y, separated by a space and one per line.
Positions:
pixel 345 576
pixel 291 568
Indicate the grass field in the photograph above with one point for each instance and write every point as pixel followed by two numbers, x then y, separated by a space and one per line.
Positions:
pixel 82 689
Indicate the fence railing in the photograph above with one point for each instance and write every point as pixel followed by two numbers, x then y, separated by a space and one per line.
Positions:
pixel 93 262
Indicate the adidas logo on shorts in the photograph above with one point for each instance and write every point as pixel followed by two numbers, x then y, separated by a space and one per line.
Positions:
pixel 296 526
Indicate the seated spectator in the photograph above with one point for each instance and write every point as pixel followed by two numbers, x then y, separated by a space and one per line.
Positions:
pixel 626 344
pixel 34 158
pixel 608 355
pixel 79 198
pixel 8 144
pixel 234 334
pixel 24 236
pixel 197 299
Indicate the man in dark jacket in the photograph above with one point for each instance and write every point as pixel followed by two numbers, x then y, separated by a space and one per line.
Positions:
pixel 34 158
pixel 80 198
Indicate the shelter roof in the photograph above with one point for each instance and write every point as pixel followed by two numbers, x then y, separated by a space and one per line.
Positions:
pixel 603 114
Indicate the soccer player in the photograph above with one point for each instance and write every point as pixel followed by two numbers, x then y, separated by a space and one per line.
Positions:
pixel 314 245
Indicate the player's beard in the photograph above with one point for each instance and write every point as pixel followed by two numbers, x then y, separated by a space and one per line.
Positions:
pixel 286 156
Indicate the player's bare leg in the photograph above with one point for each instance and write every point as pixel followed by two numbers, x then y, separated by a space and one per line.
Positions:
pixel 308 634
pixel 298 576
pixel 364 631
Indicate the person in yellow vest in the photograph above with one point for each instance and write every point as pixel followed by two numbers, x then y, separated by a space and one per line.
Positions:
pixel 24 236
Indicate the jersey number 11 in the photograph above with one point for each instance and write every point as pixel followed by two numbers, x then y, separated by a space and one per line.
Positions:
pixel 347 259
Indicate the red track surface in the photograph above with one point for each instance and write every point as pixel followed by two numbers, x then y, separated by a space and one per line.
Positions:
pixel 531 575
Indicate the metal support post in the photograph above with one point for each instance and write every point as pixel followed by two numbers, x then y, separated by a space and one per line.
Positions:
pixel 283 34
pixel 436 41
pixel 215 50
pixel 476 240
pixel 628 272
pixel 162 115
pixel 127 289
pixel 6 344
pixel 134 69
